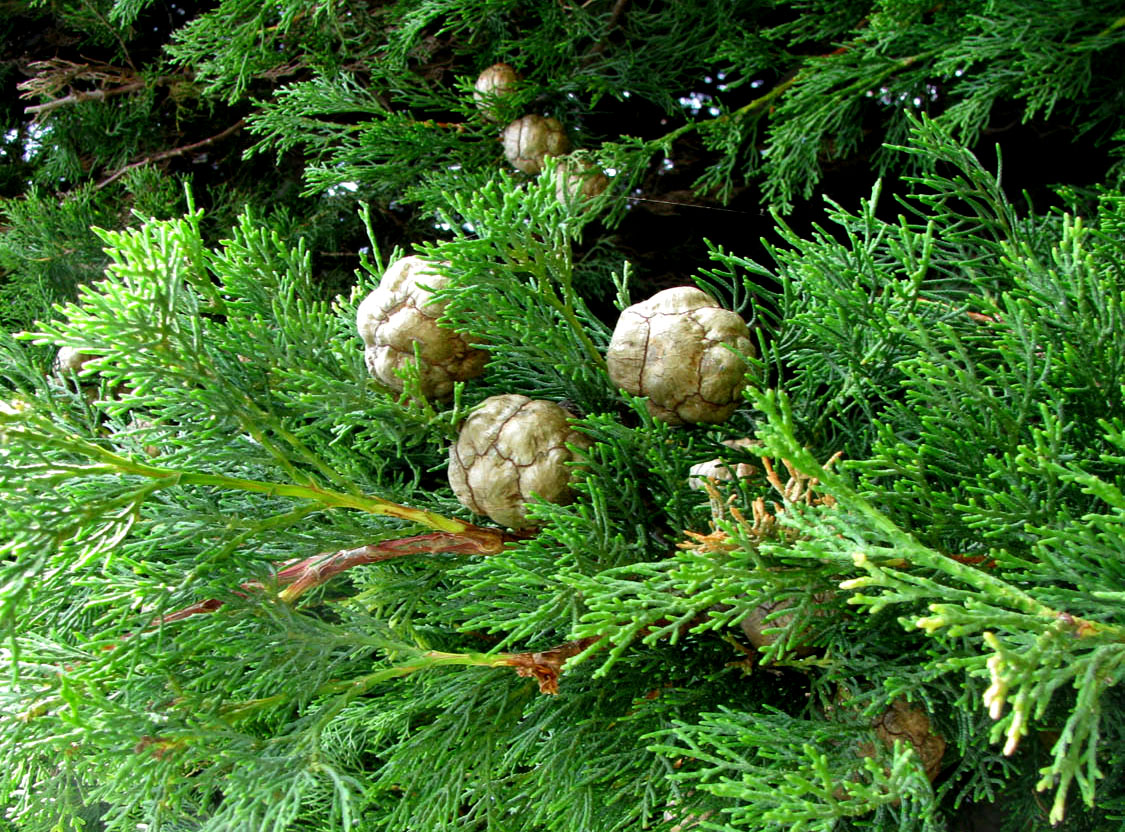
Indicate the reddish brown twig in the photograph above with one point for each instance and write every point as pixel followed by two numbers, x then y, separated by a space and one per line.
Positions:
pixel 984 561
pixel 299 576
pixel 445 125
pixel 209 605
pixel 169 154
pixel 981 318
pixel 978 317
pixel 305 574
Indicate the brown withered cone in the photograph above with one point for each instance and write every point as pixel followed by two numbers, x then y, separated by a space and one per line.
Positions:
pixel 903 721
pixel 908 723
pixel 755 624
pixel 529 139
pixel 681 350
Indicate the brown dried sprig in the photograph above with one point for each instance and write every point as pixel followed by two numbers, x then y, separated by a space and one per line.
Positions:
pixel 55 75
pixel 800 488
pixel 545 665
pixel 911 724
pixel 763 523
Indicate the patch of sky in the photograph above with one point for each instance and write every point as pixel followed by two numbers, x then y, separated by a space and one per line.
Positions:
pixel 36 134
pixel 341 188
pixel 697 102
pixel 441 225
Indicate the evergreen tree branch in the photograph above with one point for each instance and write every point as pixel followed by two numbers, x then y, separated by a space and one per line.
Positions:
pixel 612 23
pixel 967 359
pixel 544 666
pixel 19 423
pixel 753 107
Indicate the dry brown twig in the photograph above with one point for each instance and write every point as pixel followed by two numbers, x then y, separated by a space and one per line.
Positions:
pixel 56 73
pixel 169 154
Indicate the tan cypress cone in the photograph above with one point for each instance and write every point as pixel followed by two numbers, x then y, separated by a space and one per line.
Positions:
pixel 509 448
pixel 401 313
pixel 681 350
pixel 578 179
pixel 492 84
pixel 529 139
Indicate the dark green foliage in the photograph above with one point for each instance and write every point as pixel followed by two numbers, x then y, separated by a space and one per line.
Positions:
pixel 969 569
pixel 199 199
pixel 259 101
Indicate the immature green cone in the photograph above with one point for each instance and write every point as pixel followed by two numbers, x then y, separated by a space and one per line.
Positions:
pixel 909 723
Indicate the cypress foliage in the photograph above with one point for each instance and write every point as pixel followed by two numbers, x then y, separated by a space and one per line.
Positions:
pixel 236 589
